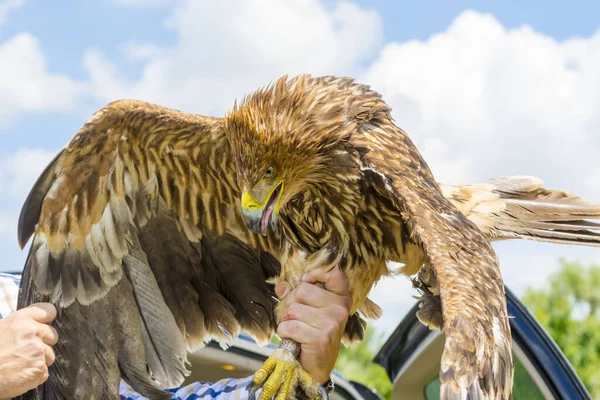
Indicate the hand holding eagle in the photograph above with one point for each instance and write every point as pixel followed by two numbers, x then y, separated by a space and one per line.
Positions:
pixel 156 231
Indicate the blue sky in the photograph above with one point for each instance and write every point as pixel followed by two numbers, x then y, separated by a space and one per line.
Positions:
pixel 405 20
pixel 485 88
pixel 66 32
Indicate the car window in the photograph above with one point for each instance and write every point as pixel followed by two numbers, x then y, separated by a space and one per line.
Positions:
pixel 523 387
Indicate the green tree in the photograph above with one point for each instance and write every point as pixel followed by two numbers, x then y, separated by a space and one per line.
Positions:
pixel 355 362
pixel 569 309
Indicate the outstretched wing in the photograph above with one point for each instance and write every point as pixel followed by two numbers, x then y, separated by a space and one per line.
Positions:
pixel 139 242
pixel 518 207
pixel 477 357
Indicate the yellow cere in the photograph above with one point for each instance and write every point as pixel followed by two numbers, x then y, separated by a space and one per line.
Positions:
pixel 248 202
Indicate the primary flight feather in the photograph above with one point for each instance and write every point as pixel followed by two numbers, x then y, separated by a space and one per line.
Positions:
pixel 155 231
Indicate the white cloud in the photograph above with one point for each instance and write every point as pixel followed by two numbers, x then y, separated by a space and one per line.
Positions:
pixel 8 6
pixel 25 83
pixel 395 296
pixel 498 101
pixel 227 48
pixel 19 171
pixel 482 101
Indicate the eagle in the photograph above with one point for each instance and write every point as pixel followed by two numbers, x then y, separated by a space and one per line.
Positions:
pixel 156 231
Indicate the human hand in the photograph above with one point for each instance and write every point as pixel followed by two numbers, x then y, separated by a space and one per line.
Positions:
pixel 26 340
pixel 316 318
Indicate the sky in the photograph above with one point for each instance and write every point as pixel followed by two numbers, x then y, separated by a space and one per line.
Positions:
pixel 485 89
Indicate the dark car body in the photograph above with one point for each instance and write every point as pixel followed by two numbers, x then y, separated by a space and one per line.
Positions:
pixel 411 357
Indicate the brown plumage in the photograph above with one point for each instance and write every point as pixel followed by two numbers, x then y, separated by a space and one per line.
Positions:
pixel 141 234
pixel 519 207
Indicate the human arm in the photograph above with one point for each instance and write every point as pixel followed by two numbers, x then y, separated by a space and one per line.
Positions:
pixel 316 319
pixel 26 341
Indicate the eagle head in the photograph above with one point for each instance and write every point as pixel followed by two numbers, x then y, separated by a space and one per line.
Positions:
pixel 261 202
pixel 284 141
pixel 268 176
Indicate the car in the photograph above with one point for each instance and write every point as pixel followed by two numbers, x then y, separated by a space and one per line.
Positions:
pixel 411 356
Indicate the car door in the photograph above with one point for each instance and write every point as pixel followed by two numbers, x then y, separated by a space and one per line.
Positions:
pixel 411 357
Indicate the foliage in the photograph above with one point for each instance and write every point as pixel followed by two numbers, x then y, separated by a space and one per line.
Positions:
pixel 569 309
pixel 355 362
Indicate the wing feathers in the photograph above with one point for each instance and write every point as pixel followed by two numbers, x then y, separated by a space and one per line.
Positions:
pixel 132 354
pixel 186 280
pixel 517 185
pixel 30 211
pixel 69 276
pixel 120 224
pixel 237 269
pixel 174 262
pixel 164 344
pixel 519 207
pixel 465 265
pixel 84 275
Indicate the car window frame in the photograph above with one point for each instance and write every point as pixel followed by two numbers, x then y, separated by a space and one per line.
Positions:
pixel 538 348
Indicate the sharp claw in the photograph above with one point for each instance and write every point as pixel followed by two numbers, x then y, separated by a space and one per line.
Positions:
pixel 308 384
pixel 281 376
pixel 323 393
pixel 253 388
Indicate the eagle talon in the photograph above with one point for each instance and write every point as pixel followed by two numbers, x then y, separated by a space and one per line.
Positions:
pixel 252 388
pixel 281 377
pixel 323 393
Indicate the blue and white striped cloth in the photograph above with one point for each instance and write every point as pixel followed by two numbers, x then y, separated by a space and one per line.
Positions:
pixel 226 389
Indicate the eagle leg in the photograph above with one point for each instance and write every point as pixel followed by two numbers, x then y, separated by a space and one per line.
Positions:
pixel 281 375
pixel 430 303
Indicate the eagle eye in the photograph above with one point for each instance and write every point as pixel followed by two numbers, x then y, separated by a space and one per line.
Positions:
pixel 269 172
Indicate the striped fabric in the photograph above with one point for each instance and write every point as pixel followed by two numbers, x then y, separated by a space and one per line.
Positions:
pixel 226 389
pixel 9 290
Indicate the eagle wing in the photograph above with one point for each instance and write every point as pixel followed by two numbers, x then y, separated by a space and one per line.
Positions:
pixel 139 243
pixel 518 207
pixel 477 356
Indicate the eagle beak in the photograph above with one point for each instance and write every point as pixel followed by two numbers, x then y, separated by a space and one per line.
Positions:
pixel 259 216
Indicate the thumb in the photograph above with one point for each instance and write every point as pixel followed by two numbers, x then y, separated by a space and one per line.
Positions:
pixel 41 312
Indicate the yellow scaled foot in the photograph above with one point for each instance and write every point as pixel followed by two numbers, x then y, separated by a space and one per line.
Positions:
pixel 281 376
